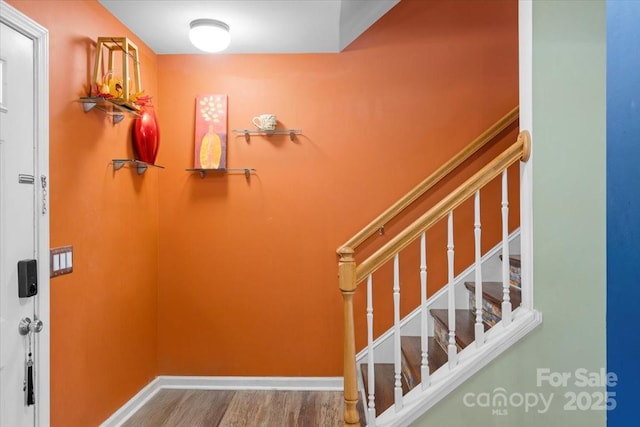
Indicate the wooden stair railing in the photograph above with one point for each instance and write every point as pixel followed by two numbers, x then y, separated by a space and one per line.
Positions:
pixel 350 274
pixel 519 150
pixel 417 191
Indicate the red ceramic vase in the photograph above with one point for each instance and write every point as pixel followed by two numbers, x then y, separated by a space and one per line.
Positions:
pixel 146 136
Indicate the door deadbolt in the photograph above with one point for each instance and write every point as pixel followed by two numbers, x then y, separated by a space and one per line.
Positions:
pixel 26 325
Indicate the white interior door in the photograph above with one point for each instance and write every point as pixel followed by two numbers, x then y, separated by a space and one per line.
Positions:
pixel 23 211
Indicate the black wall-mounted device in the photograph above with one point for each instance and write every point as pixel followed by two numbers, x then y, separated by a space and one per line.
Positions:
pixel 27 278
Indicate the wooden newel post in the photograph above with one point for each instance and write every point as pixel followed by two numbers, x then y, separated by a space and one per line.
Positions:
pixel 347 280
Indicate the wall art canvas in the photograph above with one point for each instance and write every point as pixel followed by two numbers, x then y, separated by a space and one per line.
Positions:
pixel 211 132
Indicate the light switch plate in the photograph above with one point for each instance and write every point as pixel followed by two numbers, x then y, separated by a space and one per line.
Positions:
pixel 61 261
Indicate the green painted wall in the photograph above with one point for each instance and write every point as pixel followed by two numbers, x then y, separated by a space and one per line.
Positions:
pixel 569 230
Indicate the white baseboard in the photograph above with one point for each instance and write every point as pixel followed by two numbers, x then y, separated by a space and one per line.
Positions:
pixel 253 383
pixel 135 403
pixel 220 383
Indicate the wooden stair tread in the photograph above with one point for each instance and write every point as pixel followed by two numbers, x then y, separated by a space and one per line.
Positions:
pixel 515 259
pixel 492 291
pixel 384 387
pixel 412 351
pixel 465 324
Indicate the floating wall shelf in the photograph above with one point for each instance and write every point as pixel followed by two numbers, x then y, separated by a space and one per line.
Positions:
pixel 247 132
pixel 141 167
pixel 203 172
pixel 112 107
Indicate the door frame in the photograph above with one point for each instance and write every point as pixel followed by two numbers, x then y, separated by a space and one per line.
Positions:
pixel 40 36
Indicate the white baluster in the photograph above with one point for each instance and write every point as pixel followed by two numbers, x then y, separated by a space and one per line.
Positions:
pixel 452 349
pixel 424 366
pixel 370 362
pixel 506 298
pixel 397 357
pixel 479 332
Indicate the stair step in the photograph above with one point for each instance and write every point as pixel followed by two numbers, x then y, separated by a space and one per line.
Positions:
pixel 492 292
pixel 384 387
pixel 515 270
pixel 492 300
pixel 465 327
pixel 412 358
pixel 513 259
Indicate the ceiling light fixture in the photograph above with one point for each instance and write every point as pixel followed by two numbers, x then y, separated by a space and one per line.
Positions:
pixel 209 35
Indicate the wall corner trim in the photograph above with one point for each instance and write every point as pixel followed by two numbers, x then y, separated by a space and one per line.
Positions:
pixel 219 383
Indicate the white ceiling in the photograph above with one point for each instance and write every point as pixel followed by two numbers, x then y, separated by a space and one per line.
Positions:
pixel 256 26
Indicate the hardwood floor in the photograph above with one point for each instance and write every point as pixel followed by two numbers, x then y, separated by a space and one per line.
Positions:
pixel 250 408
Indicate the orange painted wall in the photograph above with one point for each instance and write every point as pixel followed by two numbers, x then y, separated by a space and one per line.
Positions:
pixel 247 273
pixel 103 315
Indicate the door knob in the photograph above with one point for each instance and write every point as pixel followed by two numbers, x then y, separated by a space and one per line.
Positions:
pixel 26 325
